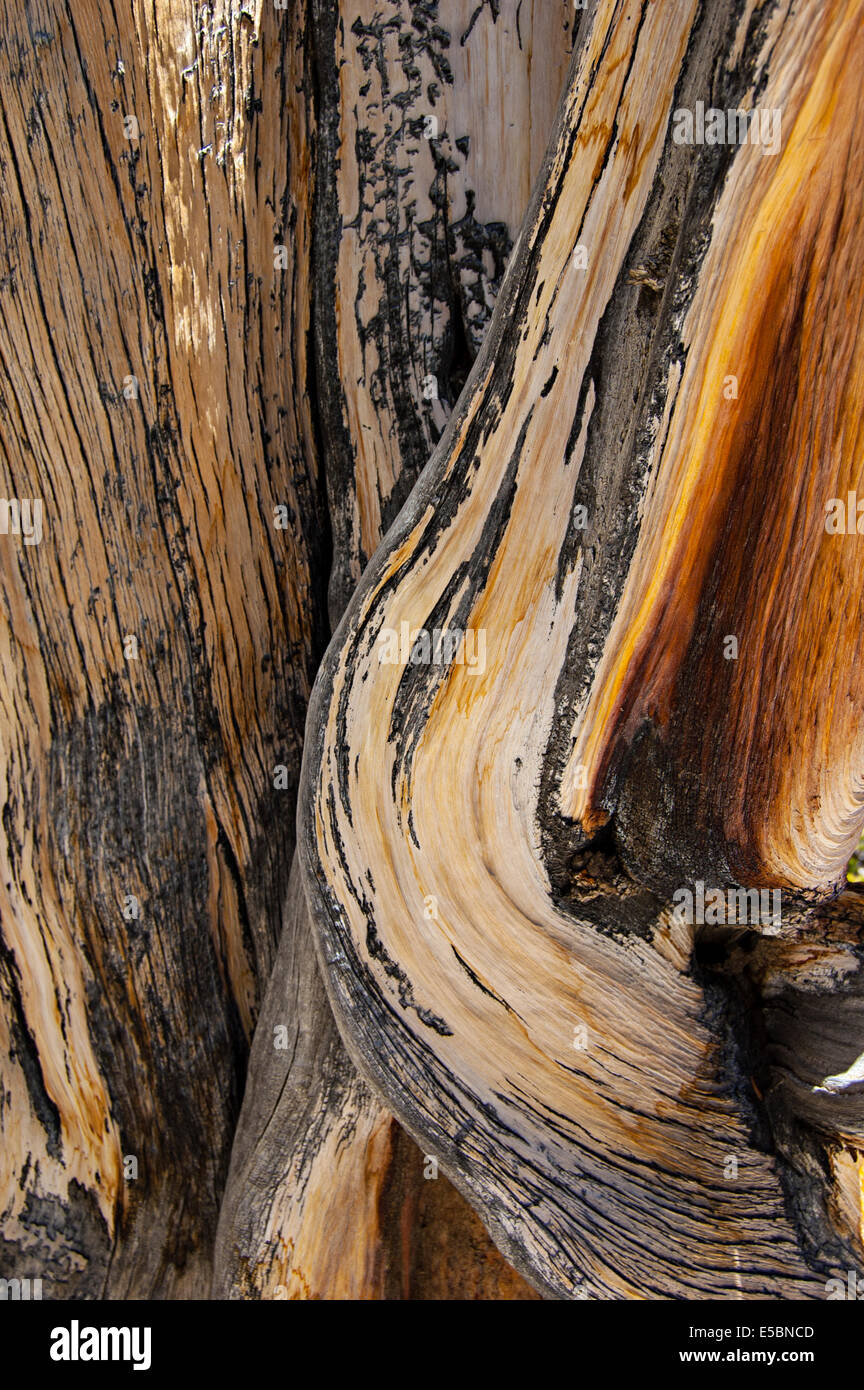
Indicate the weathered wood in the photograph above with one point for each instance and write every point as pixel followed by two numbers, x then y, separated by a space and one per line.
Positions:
pixel 482 848
pixel 158 644
pixel 325 1198
pixel 496 960
pixel 799 1000
pixel 434 119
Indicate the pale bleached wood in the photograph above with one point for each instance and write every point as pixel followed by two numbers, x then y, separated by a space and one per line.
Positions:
pixel 327 1197
pixel 324 1198
pixel 434 121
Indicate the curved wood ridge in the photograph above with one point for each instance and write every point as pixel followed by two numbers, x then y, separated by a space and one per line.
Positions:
pixel 327 1196
pixel 417 211
pixel 529 1009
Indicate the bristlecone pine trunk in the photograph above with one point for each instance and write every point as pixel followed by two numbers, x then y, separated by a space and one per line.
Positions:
pixel 519 346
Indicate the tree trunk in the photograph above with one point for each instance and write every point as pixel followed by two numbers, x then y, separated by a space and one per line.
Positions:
pixel 161 639
pixel 288 348
pixel 414 225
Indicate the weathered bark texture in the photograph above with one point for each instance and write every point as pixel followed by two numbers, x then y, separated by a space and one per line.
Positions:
pixel 153 394
pixel 256 318
pixel 628 1100
pixel 325 1198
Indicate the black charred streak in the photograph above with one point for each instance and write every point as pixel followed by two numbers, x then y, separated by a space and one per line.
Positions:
pixel 26 1052
pixel 419 684
pixel 438 282
pixel 474 243
pixel 545 392
pixel 377 951
pixel 494 7
pixel 479 983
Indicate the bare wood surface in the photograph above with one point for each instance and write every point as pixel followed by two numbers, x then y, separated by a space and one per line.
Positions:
pixel 326 1197
pixel 152 398
pixel 477 912
pixel 252 275
pixel 434 120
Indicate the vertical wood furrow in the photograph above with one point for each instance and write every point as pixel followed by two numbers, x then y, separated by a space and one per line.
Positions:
pixel 145 783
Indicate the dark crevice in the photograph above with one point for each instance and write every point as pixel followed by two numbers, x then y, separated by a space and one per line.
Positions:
pixel 735 1012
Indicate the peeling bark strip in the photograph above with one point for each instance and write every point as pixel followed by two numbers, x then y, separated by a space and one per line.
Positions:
pixel 325 1197
pixel 532 1014
pixel 158 644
